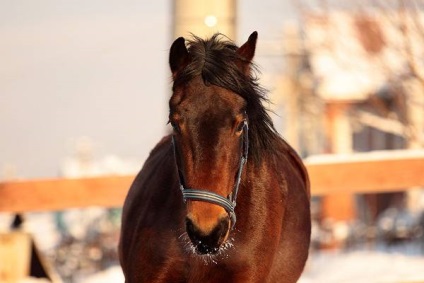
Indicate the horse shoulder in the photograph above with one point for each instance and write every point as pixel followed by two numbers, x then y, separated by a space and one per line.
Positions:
pixel 295 234
pixel 298 168
pixel 148 189
pixel 160 155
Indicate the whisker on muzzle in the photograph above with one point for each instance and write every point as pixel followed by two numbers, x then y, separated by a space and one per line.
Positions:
pixel 207 259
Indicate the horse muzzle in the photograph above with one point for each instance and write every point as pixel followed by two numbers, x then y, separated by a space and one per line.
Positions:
pixel 211 241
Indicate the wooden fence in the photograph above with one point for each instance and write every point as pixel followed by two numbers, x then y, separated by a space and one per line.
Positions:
pixel 331 174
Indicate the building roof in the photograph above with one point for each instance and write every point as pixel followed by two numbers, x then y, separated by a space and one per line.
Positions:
pixel 353 55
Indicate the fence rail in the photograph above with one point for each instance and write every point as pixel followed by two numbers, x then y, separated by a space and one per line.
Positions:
pixel 330 174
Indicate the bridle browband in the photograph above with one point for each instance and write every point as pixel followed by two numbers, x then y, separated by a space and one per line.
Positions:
pixel 228 203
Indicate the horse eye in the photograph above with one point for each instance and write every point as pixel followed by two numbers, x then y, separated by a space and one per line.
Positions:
pixel 240 127
pixel 175 126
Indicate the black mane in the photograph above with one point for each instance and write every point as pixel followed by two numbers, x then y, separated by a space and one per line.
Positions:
pixel 216 61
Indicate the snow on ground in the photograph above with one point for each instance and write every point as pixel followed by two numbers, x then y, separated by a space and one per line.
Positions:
pixel 351 267
pixel 111 275
pixel 363 267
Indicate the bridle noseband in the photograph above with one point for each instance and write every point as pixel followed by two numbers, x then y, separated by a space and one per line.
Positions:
pixel 228 203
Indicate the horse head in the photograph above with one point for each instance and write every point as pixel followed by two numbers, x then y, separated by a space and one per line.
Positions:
pixel 210 133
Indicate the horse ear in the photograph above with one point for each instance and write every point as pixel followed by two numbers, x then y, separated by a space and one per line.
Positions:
pixel 247 51
pixel 178 55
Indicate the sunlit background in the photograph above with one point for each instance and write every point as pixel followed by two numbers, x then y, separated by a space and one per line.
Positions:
pixel 84 87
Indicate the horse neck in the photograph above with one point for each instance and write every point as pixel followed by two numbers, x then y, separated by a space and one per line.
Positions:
pixel 280 164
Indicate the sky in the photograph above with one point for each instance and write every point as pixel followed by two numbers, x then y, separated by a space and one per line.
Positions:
pixel 97 68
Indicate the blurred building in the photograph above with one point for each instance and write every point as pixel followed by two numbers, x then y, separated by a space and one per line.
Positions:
pixel 361 76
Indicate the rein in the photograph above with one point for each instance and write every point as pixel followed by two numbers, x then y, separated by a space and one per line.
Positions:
pixel 228 203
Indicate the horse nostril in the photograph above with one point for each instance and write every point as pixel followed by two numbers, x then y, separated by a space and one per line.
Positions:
pixel 195 235
pixel 192 231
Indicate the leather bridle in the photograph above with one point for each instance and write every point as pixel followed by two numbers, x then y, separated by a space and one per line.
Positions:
pixel 229 202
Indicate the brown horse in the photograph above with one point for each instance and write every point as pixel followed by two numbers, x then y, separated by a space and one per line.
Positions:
pixel 179 220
